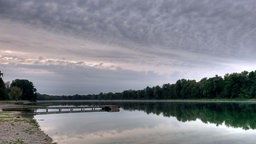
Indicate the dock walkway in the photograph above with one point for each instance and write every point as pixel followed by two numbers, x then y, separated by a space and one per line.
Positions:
pixel 65 109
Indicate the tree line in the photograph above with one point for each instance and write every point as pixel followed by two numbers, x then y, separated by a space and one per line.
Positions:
pixel 236 85
pixel 19 89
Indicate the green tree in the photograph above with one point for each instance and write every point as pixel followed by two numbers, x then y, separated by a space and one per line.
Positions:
pixel 178 88
pixel 148 93
pixel 3 92
pixel 1 74
pixel 166 91
pixel 15 93
pixel 27 87
pixel 236 85
pixel 252 84
pixel 157 92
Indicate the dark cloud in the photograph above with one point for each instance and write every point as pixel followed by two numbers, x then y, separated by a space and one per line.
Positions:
pixel 204 26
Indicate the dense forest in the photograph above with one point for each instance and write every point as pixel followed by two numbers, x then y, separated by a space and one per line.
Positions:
pixel 19 89
pixel 236 85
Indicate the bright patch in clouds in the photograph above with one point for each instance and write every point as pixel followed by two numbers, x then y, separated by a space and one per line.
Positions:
pixel 92 46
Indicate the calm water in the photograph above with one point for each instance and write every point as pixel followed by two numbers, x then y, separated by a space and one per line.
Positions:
pixel 156 123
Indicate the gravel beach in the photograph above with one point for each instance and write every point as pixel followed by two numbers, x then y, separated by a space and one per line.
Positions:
pixel 15 129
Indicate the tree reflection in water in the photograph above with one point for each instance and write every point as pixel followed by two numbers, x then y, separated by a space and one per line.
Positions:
pixel 238 115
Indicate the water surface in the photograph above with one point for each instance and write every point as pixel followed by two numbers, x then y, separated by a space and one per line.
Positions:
pixel 156 123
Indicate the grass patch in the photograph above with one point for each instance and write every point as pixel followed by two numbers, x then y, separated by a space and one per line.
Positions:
pixel 9 116
pixel 18 141
pixel 29 131
pixel 13 116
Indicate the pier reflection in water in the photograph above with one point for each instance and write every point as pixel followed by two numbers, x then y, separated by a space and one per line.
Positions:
pixel 156 123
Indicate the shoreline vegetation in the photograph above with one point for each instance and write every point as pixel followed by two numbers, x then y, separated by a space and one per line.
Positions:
pixel 231 86
pixel 157 101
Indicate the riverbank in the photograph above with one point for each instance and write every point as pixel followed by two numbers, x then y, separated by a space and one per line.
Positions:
pixel 15 128
pixel 156 101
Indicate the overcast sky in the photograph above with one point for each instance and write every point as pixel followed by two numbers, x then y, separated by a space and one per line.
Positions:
pixel 92 46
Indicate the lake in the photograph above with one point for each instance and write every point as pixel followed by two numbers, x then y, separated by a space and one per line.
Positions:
pixel 154 123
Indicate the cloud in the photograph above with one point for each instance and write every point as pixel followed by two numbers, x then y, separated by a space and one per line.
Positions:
pixel 198 26
pixel 59 49
pixel 167 40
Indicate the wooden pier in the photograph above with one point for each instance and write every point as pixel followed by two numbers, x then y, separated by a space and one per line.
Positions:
pixel 65 109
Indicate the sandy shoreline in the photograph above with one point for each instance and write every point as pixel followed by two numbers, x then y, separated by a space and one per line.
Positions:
pixel 15 129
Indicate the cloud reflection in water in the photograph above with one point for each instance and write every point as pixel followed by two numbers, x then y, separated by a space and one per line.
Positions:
pixel 131 127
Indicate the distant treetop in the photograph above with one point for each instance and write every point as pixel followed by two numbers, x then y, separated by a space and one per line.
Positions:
pixel 1 74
